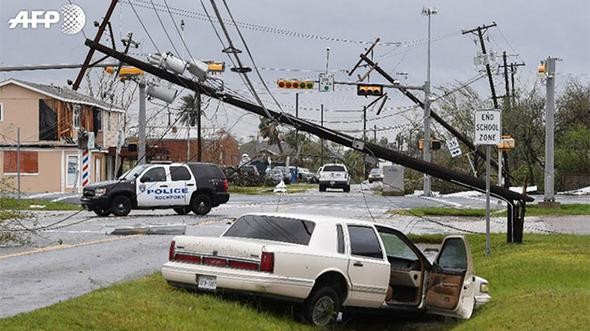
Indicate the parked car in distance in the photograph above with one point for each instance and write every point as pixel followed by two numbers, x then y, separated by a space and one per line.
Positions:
pixel 307 176
pixel 334 175
pixel 274 176
pixel 286 173
pixel 329 264
pixel 375 175
pixel 193 186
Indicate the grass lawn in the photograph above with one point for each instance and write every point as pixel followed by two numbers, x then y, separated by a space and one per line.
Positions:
pixel 531 210
pixel 25 204
pixel 542 284
pixel 257 190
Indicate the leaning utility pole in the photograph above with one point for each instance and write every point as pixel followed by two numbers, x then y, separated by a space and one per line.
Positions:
pixel 549 195
pixel 426 151
pixel 364 139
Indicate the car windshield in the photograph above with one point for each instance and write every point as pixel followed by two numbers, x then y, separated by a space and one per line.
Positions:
pixel 273 228
pixel 134 173
pixel 333 168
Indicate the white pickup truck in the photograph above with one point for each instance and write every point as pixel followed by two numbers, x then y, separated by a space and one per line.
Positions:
pixel 328 264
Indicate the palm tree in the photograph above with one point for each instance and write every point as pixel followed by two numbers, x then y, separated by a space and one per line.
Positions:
pixel 269 129
pixel 190 115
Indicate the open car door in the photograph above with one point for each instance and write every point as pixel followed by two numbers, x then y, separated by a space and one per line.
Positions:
pixel 450 289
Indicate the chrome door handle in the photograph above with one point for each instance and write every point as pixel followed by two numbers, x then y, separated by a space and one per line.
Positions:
pixel 190 184
pixel 163 185
pixel 358 264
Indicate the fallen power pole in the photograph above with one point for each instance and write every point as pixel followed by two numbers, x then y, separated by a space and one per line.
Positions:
pixel 515 201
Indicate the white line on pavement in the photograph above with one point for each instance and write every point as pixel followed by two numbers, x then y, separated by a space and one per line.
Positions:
pixel 41 195
pixel 66 197
pixel 454 204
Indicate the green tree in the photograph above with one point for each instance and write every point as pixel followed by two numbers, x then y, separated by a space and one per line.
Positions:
pixel 573 150
pixel 188 110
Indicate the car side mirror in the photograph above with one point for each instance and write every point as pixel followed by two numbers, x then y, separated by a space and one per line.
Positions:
pixel 144 179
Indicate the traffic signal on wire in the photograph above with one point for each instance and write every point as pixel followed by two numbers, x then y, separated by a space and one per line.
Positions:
pixel 295 83
pixel 369 89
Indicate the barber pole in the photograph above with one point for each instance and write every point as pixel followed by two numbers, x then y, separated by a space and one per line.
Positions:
pixel 85 167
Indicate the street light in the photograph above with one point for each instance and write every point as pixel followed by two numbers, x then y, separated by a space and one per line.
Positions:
pixel 426 154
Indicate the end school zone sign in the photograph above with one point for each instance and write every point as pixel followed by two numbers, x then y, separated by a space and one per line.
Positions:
pixel 488 127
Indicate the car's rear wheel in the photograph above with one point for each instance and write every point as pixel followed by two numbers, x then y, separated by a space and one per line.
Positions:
pixel 182 210
pixel 121 205
pixel 102 212
pixel 201 204
pixel 322 306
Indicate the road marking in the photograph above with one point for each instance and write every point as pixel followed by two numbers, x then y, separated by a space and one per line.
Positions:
pixel 66 197
pixel 454 204
pixel 40 195
pixel 59 247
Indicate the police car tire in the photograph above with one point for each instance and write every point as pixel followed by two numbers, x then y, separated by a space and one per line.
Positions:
pixel 182 210
pixel 201 204
pixel 121 205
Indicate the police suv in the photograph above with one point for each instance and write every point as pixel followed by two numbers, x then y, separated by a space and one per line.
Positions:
pixel 184 187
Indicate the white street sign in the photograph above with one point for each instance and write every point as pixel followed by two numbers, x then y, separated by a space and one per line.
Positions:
pixel 453 146
pixel 488 127
pixel 326 82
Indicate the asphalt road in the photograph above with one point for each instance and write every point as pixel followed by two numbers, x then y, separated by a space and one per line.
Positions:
pixel 78 255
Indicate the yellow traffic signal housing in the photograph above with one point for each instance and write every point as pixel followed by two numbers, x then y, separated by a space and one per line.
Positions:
pixel 295 83
pixel 369 89
pixel 542 69
pixel 125 71
pixel 216 66
pixel 435 144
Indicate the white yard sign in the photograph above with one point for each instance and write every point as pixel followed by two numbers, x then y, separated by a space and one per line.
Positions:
pixel 488 127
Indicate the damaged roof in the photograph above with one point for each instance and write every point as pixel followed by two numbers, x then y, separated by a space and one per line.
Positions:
pixel 63 94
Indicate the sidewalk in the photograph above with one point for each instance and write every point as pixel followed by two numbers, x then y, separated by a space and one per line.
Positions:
pixel 567 224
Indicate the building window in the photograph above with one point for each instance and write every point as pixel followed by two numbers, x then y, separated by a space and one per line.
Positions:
pixel 76 114
pixel 107 121
pixel 72 170
pixel 1 112
pixel 29 162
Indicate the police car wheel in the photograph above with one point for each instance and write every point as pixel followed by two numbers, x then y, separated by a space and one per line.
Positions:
pixel 102 213
pixel 182 210
pixel 201 204
pixel 121 205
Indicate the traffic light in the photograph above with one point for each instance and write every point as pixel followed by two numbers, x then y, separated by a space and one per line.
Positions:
pixel 216 67
pixel 295 83
pixel 435 144
pixel 542 68
pixel 369 89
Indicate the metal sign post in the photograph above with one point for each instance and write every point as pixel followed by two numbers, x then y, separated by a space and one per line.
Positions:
pixel 488 132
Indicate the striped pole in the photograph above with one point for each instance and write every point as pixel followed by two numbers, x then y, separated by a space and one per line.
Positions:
pixel 85 167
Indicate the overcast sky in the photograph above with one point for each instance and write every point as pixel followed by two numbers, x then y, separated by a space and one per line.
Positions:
pixel 528 30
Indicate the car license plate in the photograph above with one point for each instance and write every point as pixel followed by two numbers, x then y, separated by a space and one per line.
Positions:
pixel 207 283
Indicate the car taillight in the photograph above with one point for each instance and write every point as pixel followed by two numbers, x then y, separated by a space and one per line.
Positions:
pixel 225 185
pixel 172 251
pixel 187 258
pixel 267 262
pixel 243 265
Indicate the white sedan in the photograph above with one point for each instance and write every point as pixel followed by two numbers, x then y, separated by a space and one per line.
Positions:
pixel 328 264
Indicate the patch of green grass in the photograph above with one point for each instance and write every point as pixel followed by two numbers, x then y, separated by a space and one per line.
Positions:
pixel 151 304
pixel 563 210
pixel 531 210
pixel 258 190
pixel 541 284
pixel 25 204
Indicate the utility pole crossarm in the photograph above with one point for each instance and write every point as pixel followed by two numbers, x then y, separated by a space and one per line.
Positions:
pixel 483 27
